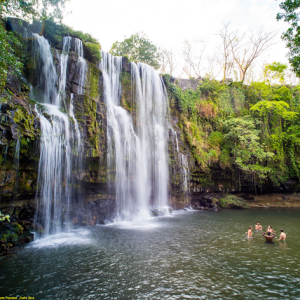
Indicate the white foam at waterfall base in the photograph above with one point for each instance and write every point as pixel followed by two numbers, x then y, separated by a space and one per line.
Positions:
pixel 74 237
pixel 141 224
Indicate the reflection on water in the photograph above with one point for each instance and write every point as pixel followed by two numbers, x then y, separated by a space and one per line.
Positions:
pixel 191 255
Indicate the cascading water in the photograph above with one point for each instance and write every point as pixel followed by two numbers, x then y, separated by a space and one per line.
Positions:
pixel 46 90
pixel 17 166
pixel 152 106
pixel 185 174
pixel 137 155
pixel 54 167
pixel 82 65
pixel 184 171
pixel 57 138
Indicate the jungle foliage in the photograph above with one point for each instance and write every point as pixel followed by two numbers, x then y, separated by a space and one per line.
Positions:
pixel 252 131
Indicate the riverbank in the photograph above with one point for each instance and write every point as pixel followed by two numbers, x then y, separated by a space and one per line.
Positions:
pixel 272 200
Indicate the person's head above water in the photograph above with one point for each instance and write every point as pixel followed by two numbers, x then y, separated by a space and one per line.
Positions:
pixel 250 227
pixel 281 230
pixel 269 233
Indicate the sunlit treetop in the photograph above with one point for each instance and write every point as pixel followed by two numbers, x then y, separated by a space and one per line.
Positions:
pixel 138 48
pixel 33 9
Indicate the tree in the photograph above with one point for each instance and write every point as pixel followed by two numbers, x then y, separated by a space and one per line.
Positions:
pixel 275 71
pixel 245 52
pixel 138 48
pixel 227 39
pixel 249 155
pixel 34 9
pixel 292 35
pixel 168 62
pixel 28 10
pixel 193 55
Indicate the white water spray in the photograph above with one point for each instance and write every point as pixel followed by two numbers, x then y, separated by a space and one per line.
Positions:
pixel 137 153
pixel 57 139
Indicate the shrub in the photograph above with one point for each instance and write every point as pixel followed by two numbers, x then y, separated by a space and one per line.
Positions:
pixel 18 229
pixel 231 201
pixel 12 237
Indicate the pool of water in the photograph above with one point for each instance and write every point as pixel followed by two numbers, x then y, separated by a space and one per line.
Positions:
pixel 190 255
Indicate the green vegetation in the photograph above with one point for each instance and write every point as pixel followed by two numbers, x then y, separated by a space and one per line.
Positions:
pixel 231 201
pixel 47 15
pixel 55 32
pixel 35 9
pixel 4 217
pixel 9 43
pixel 251 132
pixel 275 71
pixel 8 59
pixel 18 229
pixel 291 36
pixel 138 48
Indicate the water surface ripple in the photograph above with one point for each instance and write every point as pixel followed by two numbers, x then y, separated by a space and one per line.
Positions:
pixel 191 255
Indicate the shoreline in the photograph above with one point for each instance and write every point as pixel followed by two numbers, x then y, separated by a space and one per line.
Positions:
pixel 281 200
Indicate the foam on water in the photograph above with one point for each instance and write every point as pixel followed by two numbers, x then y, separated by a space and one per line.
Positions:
pixel 74 237
pixel 145 224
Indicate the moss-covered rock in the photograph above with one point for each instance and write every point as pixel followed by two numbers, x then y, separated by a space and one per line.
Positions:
pixel 231 201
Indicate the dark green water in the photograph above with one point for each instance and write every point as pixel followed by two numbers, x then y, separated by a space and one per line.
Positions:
pixel 191 255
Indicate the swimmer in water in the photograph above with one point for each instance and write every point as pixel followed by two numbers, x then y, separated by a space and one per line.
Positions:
pixel 270 229
pixel 249 233
pixel 269 236
pixel 282 235
pixel 258 226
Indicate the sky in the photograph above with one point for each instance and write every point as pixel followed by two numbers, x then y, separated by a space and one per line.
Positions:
pixel 168 23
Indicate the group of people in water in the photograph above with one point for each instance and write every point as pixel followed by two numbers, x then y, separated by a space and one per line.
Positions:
pixel 269 234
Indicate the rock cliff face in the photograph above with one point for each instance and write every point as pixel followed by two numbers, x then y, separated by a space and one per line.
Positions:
pixel 21 134
pixel 94 199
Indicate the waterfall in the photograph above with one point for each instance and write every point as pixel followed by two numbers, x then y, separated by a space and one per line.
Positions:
pixel 46 90
pixel 137 154
pixel 69 44
pixel 57 160
pixel 71 113
pixel 82 65
pixel 17 166
pixel 54 167
pixel 152 106
pixel 184 172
